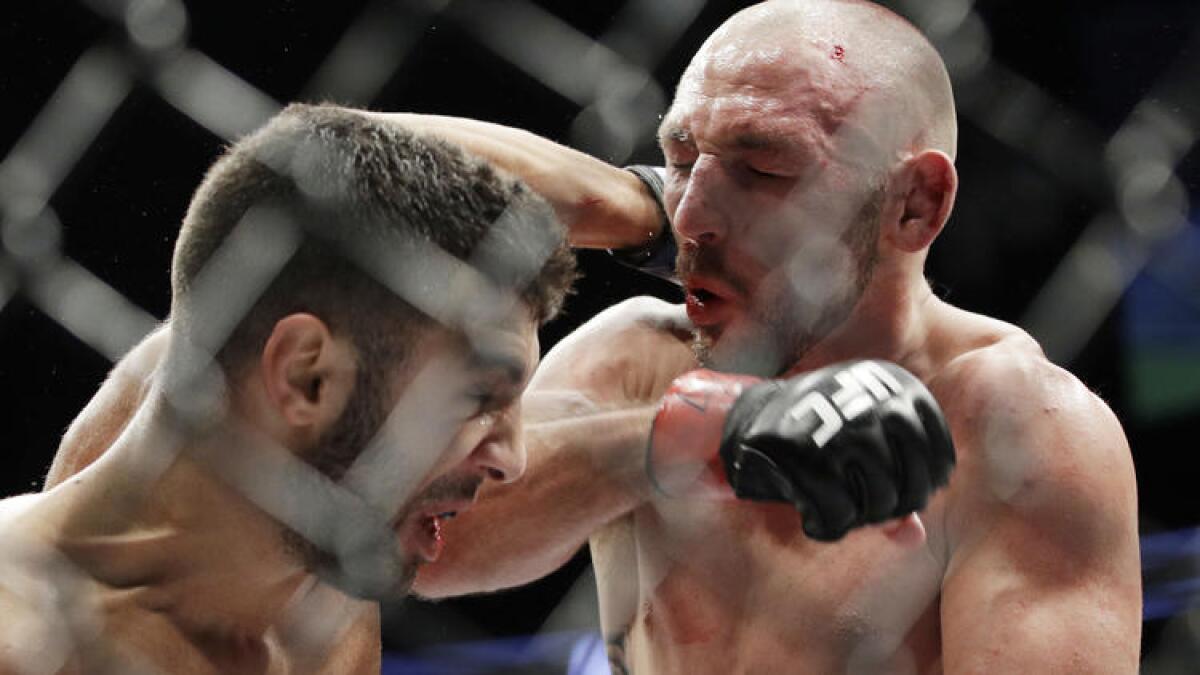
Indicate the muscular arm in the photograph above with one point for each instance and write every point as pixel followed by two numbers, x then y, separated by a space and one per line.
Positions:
pixel 603 206
pixel 582 473
pixel 587 413
pixel 1044 570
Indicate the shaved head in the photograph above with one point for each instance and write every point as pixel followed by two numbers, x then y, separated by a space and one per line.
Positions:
pixel 799 128
pixel 850 51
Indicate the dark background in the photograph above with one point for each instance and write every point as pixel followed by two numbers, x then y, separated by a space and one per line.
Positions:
pixel 1018 214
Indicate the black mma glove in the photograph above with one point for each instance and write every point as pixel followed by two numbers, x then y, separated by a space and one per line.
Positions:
pixel 854 443
pixel 657 256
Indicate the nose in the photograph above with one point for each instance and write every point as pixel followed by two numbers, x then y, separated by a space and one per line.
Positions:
pixel 501 454
pixel 700 215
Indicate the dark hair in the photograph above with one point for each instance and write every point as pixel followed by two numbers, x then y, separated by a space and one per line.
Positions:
pixel 359 201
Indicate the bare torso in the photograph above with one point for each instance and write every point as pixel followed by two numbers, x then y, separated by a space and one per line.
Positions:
pixel 693 585
pixel 737 588
pixel 66 610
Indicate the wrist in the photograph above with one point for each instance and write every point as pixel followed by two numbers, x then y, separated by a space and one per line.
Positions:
pixel 686 432
pixel 655 254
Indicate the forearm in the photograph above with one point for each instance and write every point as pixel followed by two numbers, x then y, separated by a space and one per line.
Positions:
pixel 583 473
pixel 603 206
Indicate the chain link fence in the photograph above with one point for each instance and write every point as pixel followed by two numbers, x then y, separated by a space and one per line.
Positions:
pixel 116 107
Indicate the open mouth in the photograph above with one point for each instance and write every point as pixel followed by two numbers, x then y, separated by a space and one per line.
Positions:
pixel 424 532
pixel 706 307
pixel 432 521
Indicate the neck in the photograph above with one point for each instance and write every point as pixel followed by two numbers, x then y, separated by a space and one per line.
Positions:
pixel 177 540
pixel 891 321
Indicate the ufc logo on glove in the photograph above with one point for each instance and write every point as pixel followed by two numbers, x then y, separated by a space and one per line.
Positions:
pixel 862 385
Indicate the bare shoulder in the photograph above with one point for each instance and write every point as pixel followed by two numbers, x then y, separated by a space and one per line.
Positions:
pixel 33 630
pixel 634 315
pixel 110 409
pixel 627 353
pixel 1033 442
pixel 992 377
pixel 1008 388
pixel 1040 517
pixel 19 519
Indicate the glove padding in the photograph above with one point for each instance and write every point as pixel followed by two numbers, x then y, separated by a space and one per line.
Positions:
pixel 854 443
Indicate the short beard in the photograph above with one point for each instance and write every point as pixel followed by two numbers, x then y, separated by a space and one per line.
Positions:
pixel 366 409
pixel 777 337
pixel 383 572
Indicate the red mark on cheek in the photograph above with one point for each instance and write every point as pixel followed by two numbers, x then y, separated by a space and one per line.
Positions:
pixel 839 53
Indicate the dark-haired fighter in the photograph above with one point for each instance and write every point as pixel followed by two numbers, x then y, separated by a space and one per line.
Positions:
pixel 306 423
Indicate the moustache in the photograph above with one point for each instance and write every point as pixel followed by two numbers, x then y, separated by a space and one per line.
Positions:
pixel 696 259
pixel 699 260
pixel 451 488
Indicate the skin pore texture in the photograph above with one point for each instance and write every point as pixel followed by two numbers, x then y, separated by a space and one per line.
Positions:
pixel 810 166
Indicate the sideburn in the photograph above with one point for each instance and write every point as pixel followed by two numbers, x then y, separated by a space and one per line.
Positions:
pixel 365 412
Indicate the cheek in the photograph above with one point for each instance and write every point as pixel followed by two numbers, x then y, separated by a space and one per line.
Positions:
pixel 774 233
pixel 672 194
pixel 467 438
pixel 810 225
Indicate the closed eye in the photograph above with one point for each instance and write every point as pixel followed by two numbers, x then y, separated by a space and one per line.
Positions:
pixel 764 174
pixel 493 393
pixel 484 402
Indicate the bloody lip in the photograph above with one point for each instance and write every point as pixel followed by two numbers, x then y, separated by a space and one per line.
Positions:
pixel 423 531
pixel 433 532
pixel 422 535
pixel 705 307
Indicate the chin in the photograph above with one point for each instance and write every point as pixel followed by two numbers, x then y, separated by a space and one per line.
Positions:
pixel 376 572
pixel 368 581
pixel 743 348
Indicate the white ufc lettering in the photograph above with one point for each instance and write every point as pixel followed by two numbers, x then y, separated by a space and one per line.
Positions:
pixel 861 386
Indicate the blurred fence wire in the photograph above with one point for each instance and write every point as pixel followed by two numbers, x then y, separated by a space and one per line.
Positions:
pixel 610 82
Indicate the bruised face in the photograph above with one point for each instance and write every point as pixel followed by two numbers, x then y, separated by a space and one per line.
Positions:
pixel 774 196
pixel 415 445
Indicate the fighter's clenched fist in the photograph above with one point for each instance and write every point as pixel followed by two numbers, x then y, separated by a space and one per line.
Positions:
pixel 854 443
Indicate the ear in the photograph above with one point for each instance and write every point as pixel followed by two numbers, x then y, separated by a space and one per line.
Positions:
pixel 927 184
pixel 307 374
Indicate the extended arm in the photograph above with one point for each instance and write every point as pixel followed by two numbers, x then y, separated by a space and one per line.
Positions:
pixel 587 416
pixel 1044 571
pixel 582 473
pixel 602 205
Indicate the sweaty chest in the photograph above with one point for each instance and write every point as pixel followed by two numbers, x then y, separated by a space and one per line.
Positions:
pixel 738 584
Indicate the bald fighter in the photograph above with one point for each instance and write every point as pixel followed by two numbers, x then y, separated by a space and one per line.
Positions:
pixel 321 440
pixel 810 151
pixel 809 154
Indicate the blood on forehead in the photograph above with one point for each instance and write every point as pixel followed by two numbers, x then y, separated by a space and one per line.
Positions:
pixel 739 91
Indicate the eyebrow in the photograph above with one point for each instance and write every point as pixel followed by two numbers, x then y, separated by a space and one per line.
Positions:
pixel 512 367
pixel 759 142
pixel 675 133
pixel 745 141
